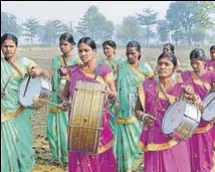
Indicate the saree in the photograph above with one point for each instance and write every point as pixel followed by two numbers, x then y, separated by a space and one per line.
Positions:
pixel 114 65
pixel 161 154
pixel 202 141
pixel 104 160
pixel 127 128
pixel 57 120
pixel 210 64
pixel 16 125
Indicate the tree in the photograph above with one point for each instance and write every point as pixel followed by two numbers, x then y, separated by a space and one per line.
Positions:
pixel 162 30
pixel 205 12
pixel 31 28
pixel 182 17
pixel 9 24
pixel 53 29
pixel 129 30
pixel 95 25
pixel 147 18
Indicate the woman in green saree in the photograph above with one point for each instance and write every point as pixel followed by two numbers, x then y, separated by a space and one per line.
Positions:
pixel 127 128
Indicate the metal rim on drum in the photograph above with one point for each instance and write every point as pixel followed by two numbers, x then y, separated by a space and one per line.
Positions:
pixel 209 104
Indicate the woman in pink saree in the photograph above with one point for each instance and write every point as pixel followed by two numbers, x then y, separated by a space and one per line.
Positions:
pixel 104 160
pixel 161 154
pixel 202 141
pixel 210 64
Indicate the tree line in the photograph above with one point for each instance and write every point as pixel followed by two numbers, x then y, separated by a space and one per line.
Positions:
pixel 190 22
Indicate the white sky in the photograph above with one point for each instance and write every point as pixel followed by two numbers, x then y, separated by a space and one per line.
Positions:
pixel 74 10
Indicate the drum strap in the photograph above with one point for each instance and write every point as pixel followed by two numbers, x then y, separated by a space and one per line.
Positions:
pixel 12 115
pixel 164 93
pixel 97 71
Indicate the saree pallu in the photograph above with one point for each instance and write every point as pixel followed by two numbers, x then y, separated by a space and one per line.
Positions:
pixel 57 120
pixel 127 128
pixel 161 154
pixel 16 132
pixel 104 160
pixel 202 141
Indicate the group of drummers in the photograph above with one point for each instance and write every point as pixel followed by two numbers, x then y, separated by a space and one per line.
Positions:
pixel 113 114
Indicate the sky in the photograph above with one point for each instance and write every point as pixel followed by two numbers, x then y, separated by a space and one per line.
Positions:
pixel 73 10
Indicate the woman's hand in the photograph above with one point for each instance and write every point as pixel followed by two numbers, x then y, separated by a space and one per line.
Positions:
pixel 146 118
pixel 188 92
pixel 65 105
pixel 63 71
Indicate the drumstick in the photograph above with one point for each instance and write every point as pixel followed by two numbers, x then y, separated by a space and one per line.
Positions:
pixel 3 90
pixel 37 98
pixel 209 102
pixel 26 87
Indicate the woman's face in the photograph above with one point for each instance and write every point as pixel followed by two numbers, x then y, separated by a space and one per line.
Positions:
pixel 65 46
pixel 166 49
pixel 212 54
pixel 8 48
pixel 86 53
pixel 108 50
pixel 132 55
pixel 197 65
pixel 165 68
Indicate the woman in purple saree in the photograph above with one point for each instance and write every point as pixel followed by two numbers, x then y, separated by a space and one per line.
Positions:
pixel 161 154
pixel 211 63
pixel 104 160
pixel 202 141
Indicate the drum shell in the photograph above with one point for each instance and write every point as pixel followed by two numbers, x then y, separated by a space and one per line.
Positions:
pixel 86 117
pixel 39 85
pixel 188 123
pixel 209 104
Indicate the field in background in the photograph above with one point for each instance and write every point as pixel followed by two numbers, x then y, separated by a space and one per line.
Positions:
pixel 43 56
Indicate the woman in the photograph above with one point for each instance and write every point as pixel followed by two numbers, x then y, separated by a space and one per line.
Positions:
pixel 127 128
pixel 211 63
pixel 57 120
pixel 109 49
pixel 16 126
pixel 161 154
pixel 168 47
pixel 201 142
pixel 104 160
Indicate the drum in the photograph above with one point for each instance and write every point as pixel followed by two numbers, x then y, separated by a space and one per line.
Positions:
pixel 181 120
pixel 86 116
pixel 38 85
pixel 209 104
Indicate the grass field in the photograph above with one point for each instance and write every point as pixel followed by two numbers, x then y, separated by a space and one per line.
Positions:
pixel 43 56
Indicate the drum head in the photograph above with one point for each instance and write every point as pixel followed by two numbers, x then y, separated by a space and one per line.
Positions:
pixel 209 112
pixel 173 117
pixel 34 87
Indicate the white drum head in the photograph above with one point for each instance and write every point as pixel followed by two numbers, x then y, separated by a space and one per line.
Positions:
pixel 209 112
pixel 34 87
pixel 173 117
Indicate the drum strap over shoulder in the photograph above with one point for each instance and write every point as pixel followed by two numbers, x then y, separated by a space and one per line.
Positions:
pixel 97 71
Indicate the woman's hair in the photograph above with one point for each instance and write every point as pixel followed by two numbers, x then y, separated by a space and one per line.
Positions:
pixel 110 43
pixel 67 37
pixel 171 46
pixel 9 36
pixel 89 41
pixel 171 57
pixel 212 47
pixel 197 53
pixel 136 45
